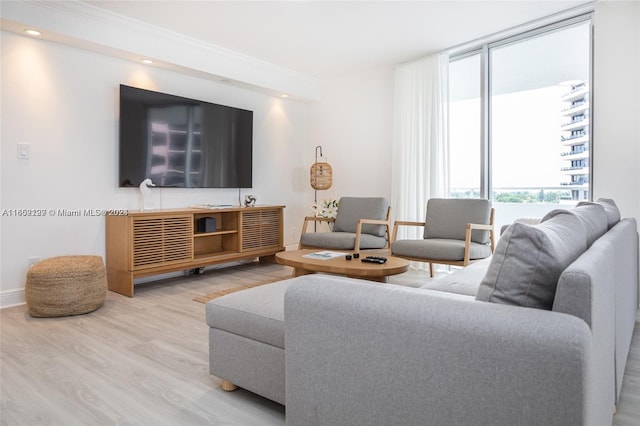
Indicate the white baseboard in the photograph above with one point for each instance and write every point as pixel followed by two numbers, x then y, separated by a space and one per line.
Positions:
pixel 13 297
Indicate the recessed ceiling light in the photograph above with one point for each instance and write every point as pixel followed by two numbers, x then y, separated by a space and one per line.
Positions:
pixel 33 32
pixel 147 61
pixel 284 95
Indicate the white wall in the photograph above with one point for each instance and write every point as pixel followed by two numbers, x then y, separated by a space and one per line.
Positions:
pixel 616 129
pixel 353 124
pixel 63 101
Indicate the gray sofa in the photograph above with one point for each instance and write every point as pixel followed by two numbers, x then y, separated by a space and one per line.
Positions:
pixel 465 349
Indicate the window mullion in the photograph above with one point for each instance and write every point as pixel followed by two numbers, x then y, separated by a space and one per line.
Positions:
pixel 485 141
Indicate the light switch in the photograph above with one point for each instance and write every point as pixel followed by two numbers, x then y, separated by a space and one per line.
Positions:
pixel 24 151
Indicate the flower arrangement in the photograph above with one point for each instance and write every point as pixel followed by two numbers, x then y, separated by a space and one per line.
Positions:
pixel 325 208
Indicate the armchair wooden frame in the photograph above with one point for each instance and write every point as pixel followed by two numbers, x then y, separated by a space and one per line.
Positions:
pixel 386 222
pixel 467 242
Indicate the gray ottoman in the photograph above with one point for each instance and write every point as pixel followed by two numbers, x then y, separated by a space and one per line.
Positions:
pixel 246 339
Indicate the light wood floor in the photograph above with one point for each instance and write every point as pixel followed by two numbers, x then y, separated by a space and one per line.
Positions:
pixel 144 361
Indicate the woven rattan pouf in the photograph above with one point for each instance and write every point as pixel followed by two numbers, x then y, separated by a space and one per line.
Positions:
pixel 66 285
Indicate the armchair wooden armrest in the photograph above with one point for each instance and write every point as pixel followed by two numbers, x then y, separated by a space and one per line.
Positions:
pixel 399 223
pixel 384 222
pixel 479 226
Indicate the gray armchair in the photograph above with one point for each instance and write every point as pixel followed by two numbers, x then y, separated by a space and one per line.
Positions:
pixel 360 224
pixel 456 232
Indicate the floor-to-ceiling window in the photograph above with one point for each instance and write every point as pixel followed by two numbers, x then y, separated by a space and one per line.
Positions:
pixel 520 120
pixel 465 126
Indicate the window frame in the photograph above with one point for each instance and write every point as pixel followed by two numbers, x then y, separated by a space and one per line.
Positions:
pixel 483 48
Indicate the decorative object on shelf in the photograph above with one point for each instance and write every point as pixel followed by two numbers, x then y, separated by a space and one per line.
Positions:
pixel 147 202
pixel 206 224
pixel 249 200
pixel 325 208
pixel 321 173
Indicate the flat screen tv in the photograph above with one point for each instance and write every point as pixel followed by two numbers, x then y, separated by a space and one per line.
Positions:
pixel 183 143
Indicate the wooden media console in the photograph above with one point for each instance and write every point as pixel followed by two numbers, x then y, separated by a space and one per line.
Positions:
pixel 147 243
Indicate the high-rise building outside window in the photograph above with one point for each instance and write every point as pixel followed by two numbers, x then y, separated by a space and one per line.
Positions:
pixel 574 138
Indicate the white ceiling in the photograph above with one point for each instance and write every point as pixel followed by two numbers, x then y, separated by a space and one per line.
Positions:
pixel 329 39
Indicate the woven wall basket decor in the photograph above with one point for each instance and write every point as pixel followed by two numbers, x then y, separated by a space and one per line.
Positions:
pixel 321 176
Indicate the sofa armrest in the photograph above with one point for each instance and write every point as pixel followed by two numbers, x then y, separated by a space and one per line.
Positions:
pixel 359 353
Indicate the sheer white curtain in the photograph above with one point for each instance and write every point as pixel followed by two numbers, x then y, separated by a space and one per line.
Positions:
pixel 420 138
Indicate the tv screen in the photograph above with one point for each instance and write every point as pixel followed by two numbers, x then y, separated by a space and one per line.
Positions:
pixel 183 143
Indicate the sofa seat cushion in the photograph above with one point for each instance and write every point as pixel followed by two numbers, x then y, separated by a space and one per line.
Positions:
pixel 256 313
pixel 529 259
pixel 341 240
pixel 439 249
pixel 462 281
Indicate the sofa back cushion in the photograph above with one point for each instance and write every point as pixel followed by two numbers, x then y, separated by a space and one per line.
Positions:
pixel 592 216
pixel 610 208
pixel 529 259
pixel 448 217
pixel 352 209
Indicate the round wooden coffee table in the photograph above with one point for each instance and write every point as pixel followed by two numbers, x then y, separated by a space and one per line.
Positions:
pixel 353 268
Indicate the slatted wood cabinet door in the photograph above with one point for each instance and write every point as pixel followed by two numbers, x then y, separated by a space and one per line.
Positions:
pixel 161 241
pixel 261 229
pixel 148 243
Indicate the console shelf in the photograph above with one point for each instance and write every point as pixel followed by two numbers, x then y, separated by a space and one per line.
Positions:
pixel 160 241
pixel 208 234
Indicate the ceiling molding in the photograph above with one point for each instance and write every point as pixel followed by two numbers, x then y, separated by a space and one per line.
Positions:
pixel 85 26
